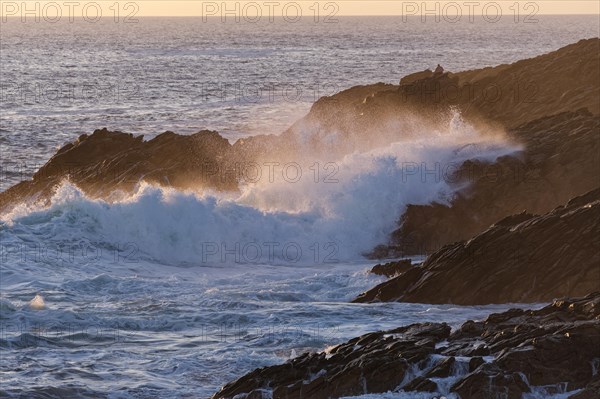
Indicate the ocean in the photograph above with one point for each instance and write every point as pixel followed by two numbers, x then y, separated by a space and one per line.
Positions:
pixel 168 294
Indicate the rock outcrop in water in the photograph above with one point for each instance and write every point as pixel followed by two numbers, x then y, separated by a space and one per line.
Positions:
pixel 511 94
pixel 392 269
pixel 521 258
pixel 106 162
pixel 551 350
pixel 506 96
pixel 550 104
pixel 560 159
pixel 365 117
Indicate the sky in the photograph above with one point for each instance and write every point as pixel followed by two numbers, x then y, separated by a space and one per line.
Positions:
pixel 251 9
pixel 372 7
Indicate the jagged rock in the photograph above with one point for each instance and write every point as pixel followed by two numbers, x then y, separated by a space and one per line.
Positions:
pixel 489 382
pixel 523 258
pixel 442 369
pixel 475 362
pixel 506 95
pixel 421 384
pixel 545 359
pixel 106 161
pixel 375 362
pixel 390 288
pixel 554 114
pixel 555 346
pixel 392 269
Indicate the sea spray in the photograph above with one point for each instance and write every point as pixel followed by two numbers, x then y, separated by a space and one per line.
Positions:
pixel 274 221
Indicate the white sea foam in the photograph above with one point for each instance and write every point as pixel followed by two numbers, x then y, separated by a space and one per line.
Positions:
pixel 37 303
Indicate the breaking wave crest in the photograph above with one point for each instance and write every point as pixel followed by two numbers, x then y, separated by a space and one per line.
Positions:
pixel 326 212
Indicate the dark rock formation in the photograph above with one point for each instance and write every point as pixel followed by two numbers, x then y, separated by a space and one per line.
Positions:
pixel 375 362
pixel 420 384
pixel 544 103
pixel 556 346
pixel 563 80
pixel 510 94
pixel 522 258
pixel 442 369
pixel 106 161
pixel 550 104
pixel 560 159
pixel 391 269
pixel 506 96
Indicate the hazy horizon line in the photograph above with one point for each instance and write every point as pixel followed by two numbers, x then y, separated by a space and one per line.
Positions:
pixel 281 17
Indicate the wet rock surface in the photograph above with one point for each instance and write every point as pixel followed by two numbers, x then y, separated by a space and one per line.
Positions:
pixel 522 258
pixel 392 269
pixel 546 350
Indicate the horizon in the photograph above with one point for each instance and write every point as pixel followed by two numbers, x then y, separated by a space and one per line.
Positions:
pixel 253 9
pixel 280 17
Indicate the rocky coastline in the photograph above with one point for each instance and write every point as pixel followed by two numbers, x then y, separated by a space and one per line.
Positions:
pixel 519 237
pixel 550 350
pixel 557 129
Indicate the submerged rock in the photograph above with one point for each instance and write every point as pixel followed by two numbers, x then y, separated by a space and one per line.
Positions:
pixel 556 347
